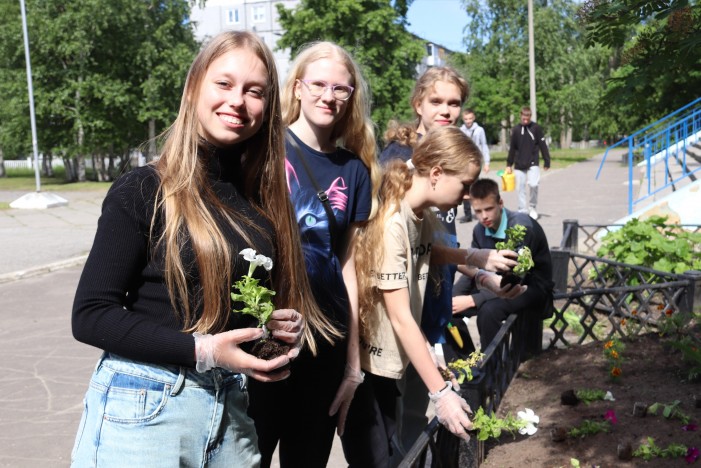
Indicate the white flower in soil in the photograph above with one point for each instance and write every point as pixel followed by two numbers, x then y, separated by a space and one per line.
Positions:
pixel 609 396
pixel 531 419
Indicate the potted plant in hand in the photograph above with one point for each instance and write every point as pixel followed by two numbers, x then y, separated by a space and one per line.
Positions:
pixel 514 241
pixel 257 301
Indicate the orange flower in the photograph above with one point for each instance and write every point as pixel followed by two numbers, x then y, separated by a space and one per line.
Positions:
pixel 608 345
pixel 635 311
pixel 623 322
pixel 614 354
pixel 615 371
pixel 660 307
pixel 669 312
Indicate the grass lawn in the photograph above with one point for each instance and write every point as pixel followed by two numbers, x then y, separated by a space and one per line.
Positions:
pixel 558 158
pixel 24 180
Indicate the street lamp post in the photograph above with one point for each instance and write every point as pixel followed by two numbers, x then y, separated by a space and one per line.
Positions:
pixel 531 59
pixel 37 199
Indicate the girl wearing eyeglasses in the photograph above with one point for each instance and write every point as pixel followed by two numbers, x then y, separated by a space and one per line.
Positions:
pixel 331 165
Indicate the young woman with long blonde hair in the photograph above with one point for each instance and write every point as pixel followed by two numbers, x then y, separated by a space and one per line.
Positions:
pixel 393 254
pixel 171 386
pixel 331 165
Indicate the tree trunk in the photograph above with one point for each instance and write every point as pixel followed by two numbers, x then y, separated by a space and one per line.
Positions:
pixel 47 167
pixel 80 158
pixel 565 132
pixel 504 136
pixel 70 175
pixel 98 164
pixel 2 163
pixel 151 141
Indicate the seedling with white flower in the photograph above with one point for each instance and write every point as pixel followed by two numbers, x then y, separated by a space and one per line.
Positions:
pixel 491 427
pixel 257 299
pixel 258 302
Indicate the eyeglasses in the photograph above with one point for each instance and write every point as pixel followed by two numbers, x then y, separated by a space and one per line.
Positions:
pixel 317 88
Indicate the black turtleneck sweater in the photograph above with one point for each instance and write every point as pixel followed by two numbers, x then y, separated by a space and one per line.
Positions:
pixel 122 304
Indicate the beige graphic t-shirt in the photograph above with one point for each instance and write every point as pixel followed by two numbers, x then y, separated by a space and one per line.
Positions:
pixel 407 252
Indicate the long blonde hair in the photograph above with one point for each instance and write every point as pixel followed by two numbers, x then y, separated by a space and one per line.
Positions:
pixel 405 133
pixel 446 147
pixel 190 207
pixel 355 130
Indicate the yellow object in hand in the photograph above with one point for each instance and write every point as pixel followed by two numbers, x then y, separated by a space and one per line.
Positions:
pixel 456 334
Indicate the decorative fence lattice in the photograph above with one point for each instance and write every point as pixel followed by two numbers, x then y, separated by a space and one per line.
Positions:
pixel 595 299
pixel 609 298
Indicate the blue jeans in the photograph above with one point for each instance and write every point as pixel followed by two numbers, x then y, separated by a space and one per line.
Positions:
pixel 140 414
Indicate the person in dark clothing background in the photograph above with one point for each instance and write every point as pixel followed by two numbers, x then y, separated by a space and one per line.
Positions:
pixel 526 140
pixel 491 310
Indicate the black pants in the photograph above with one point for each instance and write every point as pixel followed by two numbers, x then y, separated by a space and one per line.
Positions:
pixel 371 423
pixel 467 208
pixel 493 312
pixel 295 411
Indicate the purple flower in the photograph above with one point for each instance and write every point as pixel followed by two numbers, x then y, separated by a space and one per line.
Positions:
pixel 691 455
pixel 691 427
pixel 610 416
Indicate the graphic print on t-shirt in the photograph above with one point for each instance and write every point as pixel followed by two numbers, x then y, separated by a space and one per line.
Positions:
pixel 311 216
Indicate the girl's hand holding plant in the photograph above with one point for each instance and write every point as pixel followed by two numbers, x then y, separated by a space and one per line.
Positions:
pixel 223 350
pixel 285 325
pixel 492 282
pixel 490 259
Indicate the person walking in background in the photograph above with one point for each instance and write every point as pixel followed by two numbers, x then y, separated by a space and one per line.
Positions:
pixel 491 310
pixel 476 133
pixel 527 139
pixel 393 255
pixel 331 159
pixel 155 294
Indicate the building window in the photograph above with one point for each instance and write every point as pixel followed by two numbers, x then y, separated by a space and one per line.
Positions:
pixel 232 16
pixel 258 14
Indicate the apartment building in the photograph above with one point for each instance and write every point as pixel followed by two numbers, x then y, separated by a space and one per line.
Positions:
pixel 259 16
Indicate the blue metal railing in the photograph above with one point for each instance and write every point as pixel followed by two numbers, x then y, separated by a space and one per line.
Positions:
pixel 665 140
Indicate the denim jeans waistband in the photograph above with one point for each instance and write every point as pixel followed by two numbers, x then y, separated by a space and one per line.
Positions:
pixel 176 376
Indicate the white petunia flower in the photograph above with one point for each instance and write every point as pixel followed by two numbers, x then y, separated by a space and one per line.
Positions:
pixel 609 396
pixel 248 254
pixel 256 260
pixel 265 262
pixel 531 419
pixel 528 429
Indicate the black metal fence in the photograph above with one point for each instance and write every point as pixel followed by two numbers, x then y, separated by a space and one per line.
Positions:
pixel 595 299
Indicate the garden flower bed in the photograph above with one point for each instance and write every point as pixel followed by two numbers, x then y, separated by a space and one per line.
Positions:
pixel 594 434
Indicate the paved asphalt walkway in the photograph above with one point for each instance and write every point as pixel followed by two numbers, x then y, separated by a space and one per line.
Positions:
pixel 46 371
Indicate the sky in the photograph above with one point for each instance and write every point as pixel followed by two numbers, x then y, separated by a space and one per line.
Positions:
pixel 439 21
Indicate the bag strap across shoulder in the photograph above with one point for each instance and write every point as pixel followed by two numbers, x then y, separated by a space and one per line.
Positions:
pixel 321 194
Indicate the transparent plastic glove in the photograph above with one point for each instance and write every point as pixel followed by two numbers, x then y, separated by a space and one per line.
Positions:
pixel 287 325
pixel 452 411
pixel 492 282
pixel 351 379
pixel 490 259
pixel 438 356
pixel 222 350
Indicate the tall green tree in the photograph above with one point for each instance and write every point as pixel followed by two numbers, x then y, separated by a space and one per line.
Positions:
pixel 103 69
pixel 374 32
pixel 15 133
pixel 569 76
pixel 656 52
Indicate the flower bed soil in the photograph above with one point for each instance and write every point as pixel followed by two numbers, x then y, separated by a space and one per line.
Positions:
pixel 651 372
